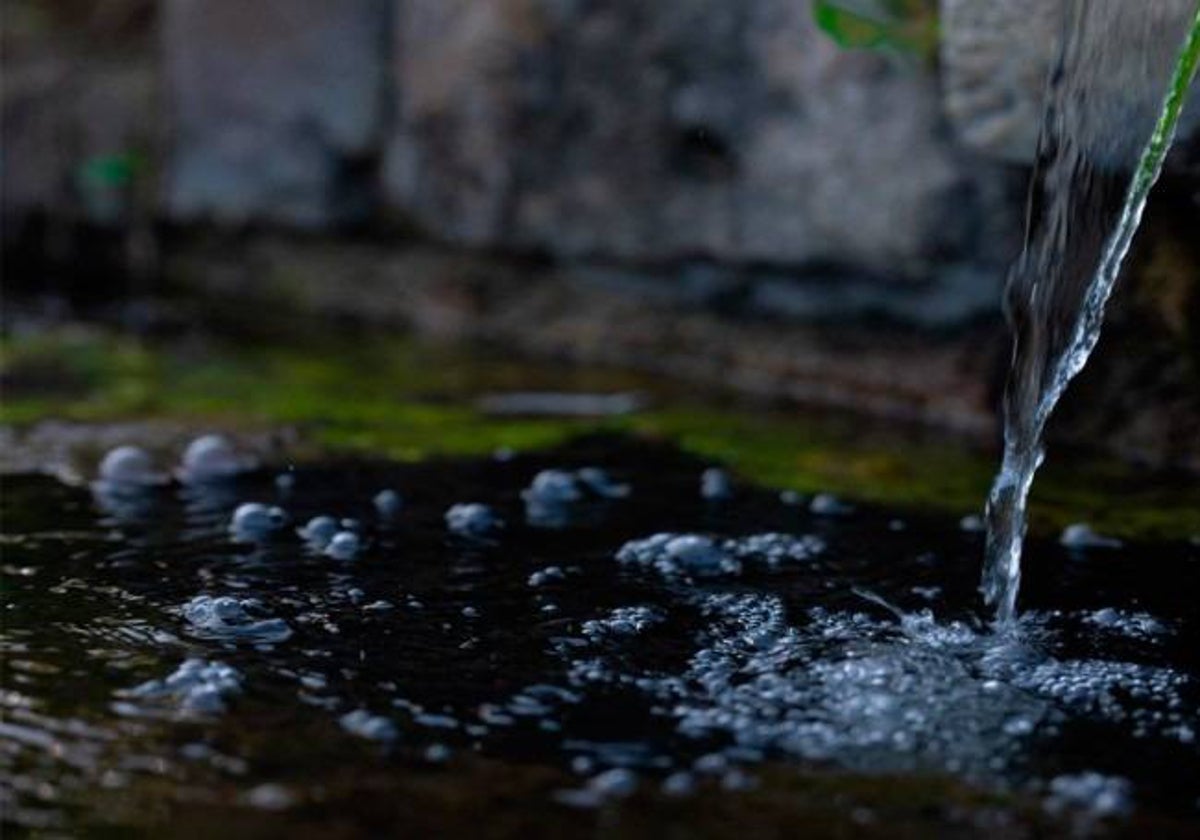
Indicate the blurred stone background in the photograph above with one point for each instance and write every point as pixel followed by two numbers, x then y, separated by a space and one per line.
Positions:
pixel 713 190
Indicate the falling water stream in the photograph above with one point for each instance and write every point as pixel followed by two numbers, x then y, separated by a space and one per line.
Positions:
pixel 1058 288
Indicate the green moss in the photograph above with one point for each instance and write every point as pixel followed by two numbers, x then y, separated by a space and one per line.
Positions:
pixel 388 397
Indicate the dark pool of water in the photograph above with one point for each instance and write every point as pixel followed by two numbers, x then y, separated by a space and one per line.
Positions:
pixel 528 675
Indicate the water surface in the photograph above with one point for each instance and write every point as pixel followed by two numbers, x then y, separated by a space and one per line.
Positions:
pixel 569 665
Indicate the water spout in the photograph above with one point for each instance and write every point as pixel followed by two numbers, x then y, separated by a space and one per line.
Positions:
pixel 1055 301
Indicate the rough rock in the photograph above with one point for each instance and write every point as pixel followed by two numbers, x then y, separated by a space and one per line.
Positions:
pixel 632 132
pixel 277 108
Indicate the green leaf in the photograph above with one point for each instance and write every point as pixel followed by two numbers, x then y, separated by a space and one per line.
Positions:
pixel 908 26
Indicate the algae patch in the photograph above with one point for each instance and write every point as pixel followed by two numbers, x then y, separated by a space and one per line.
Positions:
pixel 383 396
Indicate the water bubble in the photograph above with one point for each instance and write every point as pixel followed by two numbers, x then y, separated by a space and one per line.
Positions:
pixel 679 555
pixel 774 549
pixel 864 693
pixel 212 458
pixel 623 621
pixel 270 797
pixel 553 487
pixel 1096 794
pixel 253 521
pixel 344 545
pixel 550 499
pixel 437 753
pixel 362 723
pixel 1081 536
pixel 601 483
pixel 712 764
pixel 388 503
pixel 554 497
pixel 129 467
pixel 679 784
pixel 432 721
pixel 319 531
pixel 1134 625
pixel 972 524
pixel 716 485
pixel 826 504
pixel 198 686
pixel 617 783
pixel 791 498
pixel 550 574
pixel 472 520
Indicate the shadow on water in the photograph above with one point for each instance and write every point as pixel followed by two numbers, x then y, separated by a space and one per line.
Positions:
pixel 773 664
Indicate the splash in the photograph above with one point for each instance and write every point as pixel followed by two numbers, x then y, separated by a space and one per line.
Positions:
pixel 1055 301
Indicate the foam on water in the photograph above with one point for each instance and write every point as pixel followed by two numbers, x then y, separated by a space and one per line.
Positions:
pixel 623 621
pixel 197 687
pixel 1095 794
pixel 231 619
pixel 473 520
pixel 693 556
pixel 680 556
pixel 901 694
pixel 362 723
pixel 557 498
pixel 1141 626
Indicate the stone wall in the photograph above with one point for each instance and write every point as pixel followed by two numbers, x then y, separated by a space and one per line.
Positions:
pixel 642 132
pixel 616 132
